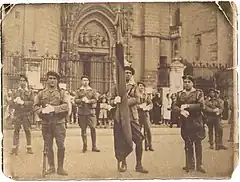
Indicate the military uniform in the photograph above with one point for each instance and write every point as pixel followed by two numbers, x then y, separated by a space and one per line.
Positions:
pixel 87 114
pixel 137 136
pixel 22 116
pixel 53 124
pixel 192 129
pixel 213 120
pixel 144 120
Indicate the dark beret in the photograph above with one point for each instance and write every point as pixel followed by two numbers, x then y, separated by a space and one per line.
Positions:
pixel 188 77
pixel 211 89
pixel 217 91
pixel 25 77
pixel 84 76
pixel 53 73
pixel 140 82
pixel 129 68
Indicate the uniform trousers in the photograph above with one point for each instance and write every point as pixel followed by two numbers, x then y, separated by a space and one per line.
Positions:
pixel 20 121
pixel 49 132
pixel 91 121
pixel 215 123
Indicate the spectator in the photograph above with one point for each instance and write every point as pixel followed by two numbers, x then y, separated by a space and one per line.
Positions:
pixel 103 117
pixel 156 111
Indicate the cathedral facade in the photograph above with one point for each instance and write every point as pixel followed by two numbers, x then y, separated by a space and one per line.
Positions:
pixel 76 39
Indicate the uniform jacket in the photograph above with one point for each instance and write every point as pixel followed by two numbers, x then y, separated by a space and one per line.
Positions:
pixel 212 104
pixel 144 98
pixel 27 96
pixel 133 99
pixel 86 108
pixel 56 98
pixel 195 100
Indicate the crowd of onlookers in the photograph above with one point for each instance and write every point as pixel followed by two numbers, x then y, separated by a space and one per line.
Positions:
pixel 160 114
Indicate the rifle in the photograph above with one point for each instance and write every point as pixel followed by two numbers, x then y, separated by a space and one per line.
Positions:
pixel 44 165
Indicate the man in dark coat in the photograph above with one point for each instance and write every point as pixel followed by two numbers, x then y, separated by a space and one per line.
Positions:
pixel 190 104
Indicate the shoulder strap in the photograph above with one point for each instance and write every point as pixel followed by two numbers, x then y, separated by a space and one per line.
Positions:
pixel 40 94
pixel 130 90
pixel 62 93
pixel 179 94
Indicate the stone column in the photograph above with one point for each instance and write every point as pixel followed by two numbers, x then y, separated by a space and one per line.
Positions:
pixel 176 73
pixel 32 65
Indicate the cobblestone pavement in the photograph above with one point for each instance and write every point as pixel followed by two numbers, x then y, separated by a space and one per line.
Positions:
pixel 165 162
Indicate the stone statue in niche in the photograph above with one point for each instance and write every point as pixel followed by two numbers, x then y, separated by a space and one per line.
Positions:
pixel 104 41
pixel 93 40
pixel 81 38
pixel 86 38
pixel 98 41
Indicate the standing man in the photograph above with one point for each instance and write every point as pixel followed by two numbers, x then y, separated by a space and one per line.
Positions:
pixel 22 102
pixel 220 104
pixel 213 110
pixel 133 96
pixel 51 104
pixel 86 100
pixel 144 118
pixel 190 104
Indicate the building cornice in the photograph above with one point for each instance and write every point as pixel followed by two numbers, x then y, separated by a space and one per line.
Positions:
pixel 153 35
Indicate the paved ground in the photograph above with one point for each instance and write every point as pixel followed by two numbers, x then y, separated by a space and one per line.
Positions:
pixel 165 162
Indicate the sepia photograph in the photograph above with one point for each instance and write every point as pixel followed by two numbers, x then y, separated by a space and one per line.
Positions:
pixel 121 91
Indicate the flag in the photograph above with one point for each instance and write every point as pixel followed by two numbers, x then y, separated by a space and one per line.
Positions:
pixel 122 127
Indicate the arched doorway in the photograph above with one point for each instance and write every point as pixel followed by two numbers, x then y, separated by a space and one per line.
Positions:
pixel 92 36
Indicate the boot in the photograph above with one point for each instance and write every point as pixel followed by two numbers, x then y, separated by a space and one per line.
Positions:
pixel 95 149
pixel 84 139
pixel 93 137
pixel 211 147
pixel 29 150
pixel 51 170
pixel 122 166
pixel 222 147
pixel 151 148
pixel 84 148
pixel 190 162
pixel 139 150
pixel 200 169
pixel 62 172
pixel 14 151
pixel 60 169
pixel 139 168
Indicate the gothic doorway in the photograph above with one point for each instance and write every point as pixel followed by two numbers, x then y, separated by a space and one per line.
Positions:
pixel 87 45
pixel 97 66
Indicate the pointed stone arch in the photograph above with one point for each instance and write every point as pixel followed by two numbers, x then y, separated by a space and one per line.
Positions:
pixel 102 15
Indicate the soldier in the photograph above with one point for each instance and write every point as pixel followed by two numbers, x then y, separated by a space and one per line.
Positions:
pixel 137 136
pixel 51 105
pixel 86 99
pixel 190 104
pixel 212 117
pixel 144 119
pixel 220 104
pixel 22 102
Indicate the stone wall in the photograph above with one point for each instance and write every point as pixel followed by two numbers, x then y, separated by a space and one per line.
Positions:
pixel 26 23
pixel 199 19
